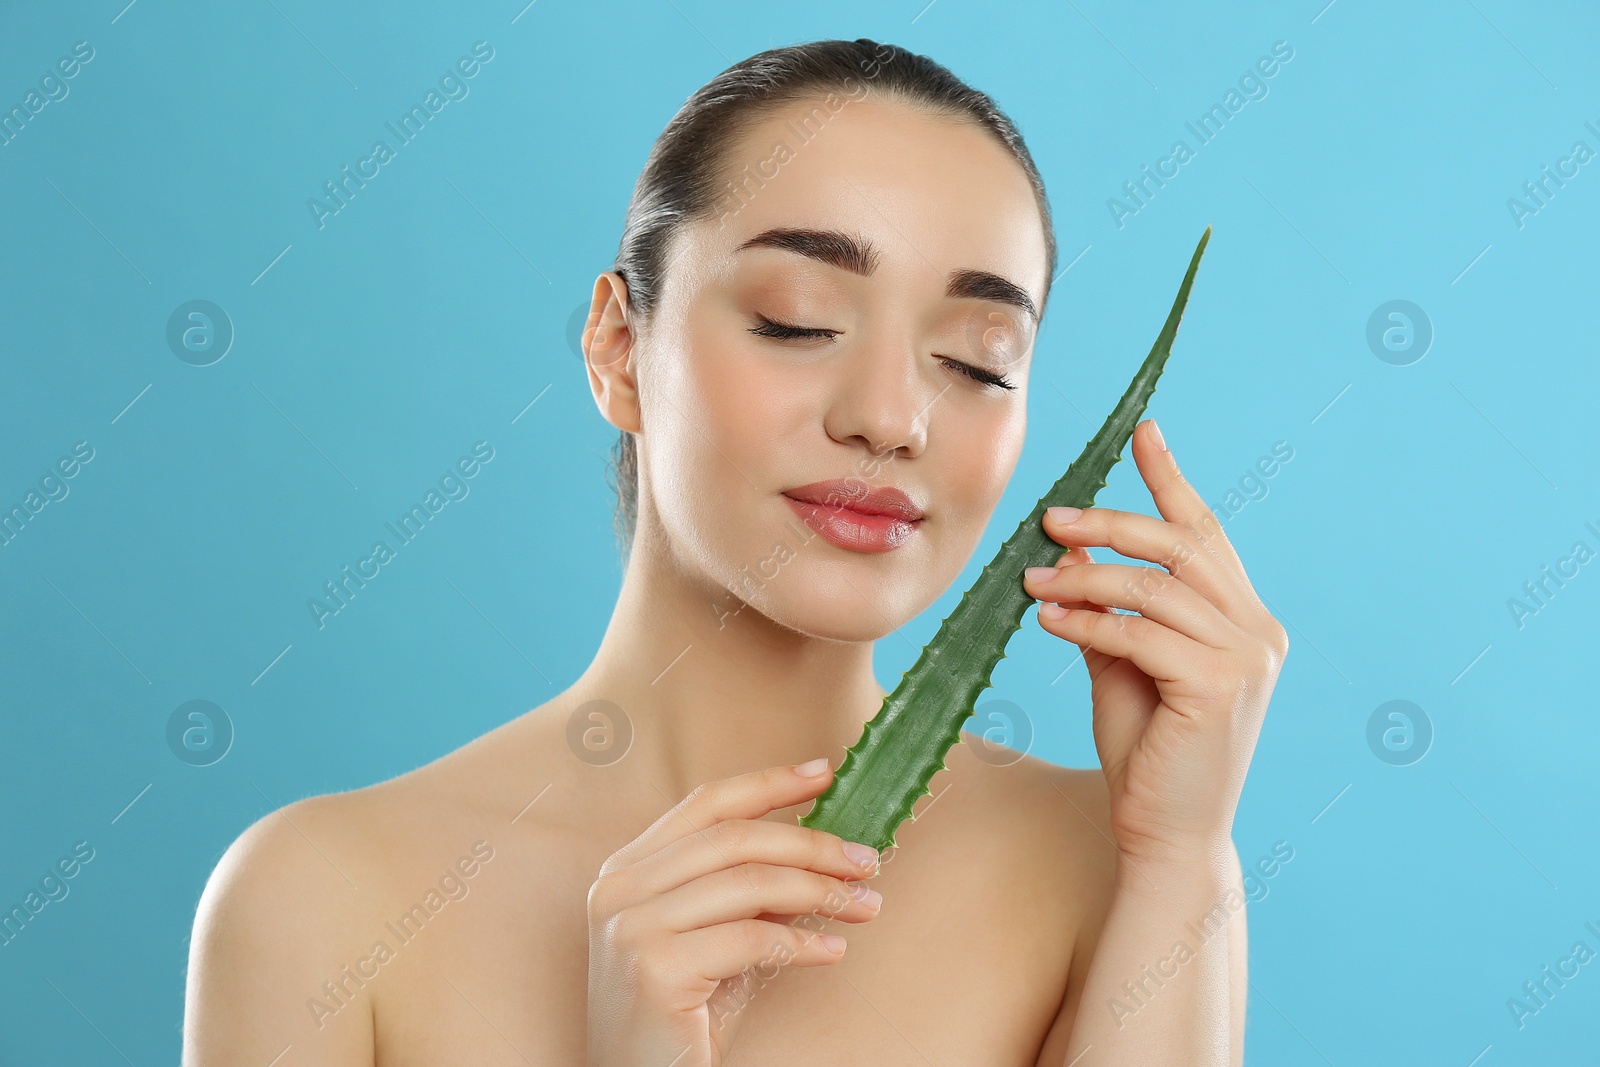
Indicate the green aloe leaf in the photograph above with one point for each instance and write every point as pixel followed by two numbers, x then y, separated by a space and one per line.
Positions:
pixel 904 745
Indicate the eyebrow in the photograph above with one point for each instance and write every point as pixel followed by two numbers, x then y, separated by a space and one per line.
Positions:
pixel 860 256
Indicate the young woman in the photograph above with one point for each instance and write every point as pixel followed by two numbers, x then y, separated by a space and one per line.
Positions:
pixel 816 343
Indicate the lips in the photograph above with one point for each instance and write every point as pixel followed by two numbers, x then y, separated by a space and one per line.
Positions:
pixel 856 495
pixel 855 516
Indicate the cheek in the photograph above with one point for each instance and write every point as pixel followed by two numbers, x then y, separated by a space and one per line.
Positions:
pixel 760 406
pixel 983 455
pixel 742 403
pixel 977 461
pixel 721 417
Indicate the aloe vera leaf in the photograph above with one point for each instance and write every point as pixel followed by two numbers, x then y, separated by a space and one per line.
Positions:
pixel 904 745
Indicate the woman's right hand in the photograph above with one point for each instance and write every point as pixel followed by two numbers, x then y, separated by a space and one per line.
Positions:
pixel 681 912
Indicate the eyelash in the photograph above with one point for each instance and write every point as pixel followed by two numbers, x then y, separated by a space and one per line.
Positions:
pixel 784 332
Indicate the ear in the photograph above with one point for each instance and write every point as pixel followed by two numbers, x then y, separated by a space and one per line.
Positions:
pixel 608 353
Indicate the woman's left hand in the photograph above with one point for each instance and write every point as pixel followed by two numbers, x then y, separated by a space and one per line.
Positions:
pixel 1179 689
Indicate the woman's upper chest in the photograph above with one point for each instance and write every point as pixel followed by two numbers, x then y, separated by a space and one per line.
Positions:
pixel 963 964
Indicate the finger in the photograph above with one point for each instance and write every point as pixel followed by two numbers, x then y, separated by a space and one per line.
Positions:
pixel 1192 559
pixel 1151 592
pixel 714 953
pixel 737 841
pixel 751 890
pixel 1072 557
pixel 1178 501
pixel 1158 650
pixel 1146 537
pixel 744 796
pixel 1075 557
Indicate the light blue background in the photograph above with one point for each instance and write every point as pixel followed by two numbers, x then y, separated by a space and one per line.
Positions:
pixel 435 307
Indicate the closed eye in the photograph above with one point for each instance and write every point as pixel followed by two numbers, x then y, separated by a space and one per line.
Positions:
pixel 978 373
pixel 784 332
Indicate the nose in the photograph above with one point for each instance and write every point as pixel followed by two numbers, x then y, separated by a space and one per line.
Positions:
pixel 881 403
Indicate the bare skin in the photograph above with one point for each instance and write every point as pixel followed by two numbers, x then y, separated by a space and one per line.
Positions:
pixel 1004 869
pixel 1000 892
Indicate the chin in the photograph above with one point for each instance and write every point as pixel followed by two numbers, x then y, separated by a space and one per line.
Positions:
pixel 852 623
pixel 847 599
pixel 798 579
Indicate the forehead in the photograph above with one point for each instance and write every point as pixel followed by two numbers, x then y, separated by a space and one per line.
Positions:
pixel 932 194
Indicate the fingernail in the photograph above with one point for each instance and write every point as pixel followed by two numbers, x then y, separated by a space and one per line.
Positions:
pixel 833 943
pixel 1155 431
pixel 1063 514
pixel 1051 611
pixel 1042 574
pixel 812 768
pixel 866 894
pixel 863 856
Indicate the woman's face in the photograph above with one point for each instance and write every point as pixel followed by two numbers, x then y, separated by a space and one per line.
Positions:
pixel 863 232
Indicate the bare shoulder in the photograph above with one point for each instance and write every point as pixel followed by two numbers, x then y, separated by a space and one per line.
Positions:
pixel 300 905
pixel 269 929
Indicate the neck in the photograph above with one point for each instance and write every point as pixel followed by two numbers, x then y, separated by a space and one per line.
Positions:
pixel 712 687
